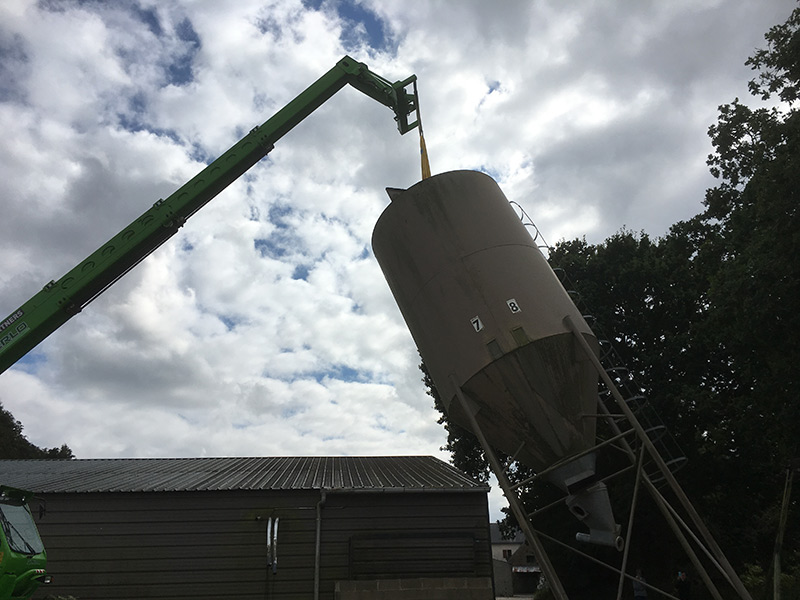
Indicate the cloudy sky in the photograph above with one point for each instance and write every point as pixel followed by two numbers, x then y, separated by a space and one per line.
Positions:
pixel 265 327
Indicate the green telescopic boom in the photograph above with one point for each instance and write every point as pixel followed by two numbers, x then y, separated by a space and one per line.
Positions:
pixel 50 308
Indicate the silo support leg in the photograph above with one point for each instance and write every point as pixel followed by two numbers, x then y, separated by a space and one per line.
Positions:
pixel 629 530
pixel 513 500
pixel 667 513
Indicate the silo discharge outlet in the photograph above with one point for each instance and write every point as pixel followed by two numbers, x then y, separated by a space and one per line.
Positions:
pixel 587 499
pixel 592 507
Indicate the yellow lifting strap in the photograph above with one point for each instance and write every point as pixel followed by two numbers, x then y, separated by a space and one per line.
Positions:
pixel 423 150
pixel 426 166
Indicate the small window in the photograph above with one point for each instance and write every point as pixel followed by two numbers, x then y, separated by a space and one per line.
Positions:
pixel 19 529
pixel 506 554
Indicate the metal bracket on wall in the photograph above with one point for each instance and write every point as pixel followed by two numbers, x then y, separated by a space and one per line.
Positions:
pixel 272 544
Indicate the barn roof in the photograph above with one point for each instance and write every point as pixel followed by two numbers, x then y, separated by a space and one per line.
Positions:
pixel 377 473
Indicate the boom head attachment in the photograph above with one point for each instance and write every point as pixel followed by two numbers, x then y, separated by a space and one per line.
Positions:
pixel 407 103
pixel 402 101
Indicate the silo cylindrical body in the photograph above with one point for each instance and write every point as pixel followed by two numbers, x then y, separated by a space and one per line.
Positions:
pixel 486 312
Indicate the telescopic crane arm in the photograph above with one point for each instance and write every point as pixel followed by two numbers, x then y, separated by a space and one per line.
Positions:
pixel 50 308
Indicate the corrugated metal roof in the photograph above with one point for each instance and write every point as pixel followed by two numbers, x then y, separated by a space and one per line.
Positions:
pixel 214 474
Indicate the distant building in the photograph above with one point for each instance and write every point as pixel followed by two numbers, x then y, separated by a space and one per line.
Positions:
pixel 255 528
pixel 515 568
pixel 503 548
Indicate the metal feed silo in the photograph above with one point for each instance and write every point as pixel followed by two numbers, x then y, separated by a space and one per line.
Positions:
pixel 484 306
pixel 486 312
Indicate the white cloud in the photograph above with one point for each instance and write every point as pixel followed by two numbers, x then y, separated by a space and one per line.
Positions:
pixel 265 325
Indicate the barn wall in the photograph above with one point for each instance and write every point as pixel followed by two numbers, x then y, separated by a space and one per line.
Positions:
pixel 393 535
pixel 182 545
pixel 174 545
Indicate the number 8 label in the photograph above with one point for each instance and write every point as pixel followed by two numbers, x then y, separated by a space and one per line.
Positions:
pixel 513 306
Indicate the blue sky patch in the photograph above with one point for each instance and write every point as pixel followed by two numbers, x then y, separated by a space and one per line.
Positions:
pixel 283 238
pixel 278 213
pixel 31 362
pixel 198 153
pixel 288 413
pixel 149 17
pixel 179 72
pixel 361 26
pixel 13 61
pixel 301 272
pixel 52 5
pixel 267 247
pixel 135 120
pixel 340 372
pixel 229 322
pixel 493 173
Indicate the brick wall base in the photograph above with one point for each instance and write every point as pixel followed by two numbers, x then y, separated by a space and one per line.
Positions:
pixel 434 588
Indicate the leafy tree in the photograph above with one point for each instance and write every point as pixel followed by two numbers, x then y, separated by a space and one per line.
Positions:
pixel 706 317
pixel 13 443
pixel 755 286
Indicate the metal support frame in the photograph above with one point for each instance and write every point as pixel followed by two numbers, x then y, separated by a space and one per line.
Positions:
pixel 679 527
pixel 713 550
pixel 513 500
pixel 634 499
pixel 787 494
pixel 669 515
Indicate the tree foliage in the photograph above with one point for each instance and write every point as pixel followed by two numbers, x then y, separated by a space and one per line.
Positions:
pixel 707 316
pixel 13 444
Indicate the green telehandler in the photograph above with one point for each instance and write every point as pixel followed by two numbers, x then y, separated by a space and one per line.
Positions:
pixel 22 555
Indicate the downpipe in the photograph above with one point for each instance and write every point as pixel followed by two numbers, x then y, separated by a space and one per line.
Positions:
pixel 317 548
